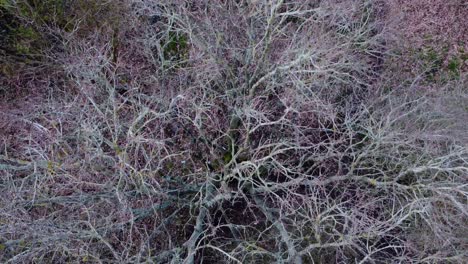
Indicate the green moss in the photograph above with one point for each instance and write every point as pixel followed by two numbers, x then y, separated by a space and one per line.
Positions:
pixel 453 65
pixel 29 27
pixel 28 40
pixel 26 32
pixel 227 157
pixel 22 49
pixel 175 47
pixel 21 37
pixel 433 58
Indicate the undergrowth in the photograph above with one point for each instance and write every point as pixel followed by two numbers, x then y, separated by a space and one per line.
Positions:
pixel 226 131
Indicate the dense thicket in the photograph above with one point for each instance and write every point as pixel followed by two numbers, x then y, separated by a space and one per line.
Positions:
pixel 227 131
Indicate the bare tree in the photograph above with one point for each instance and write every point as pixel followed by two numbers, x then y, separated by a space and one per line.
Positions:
pixel 235 131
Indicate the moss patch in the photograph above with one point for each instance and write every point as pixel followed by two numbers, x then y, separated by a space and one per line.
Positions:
pixel 31 28
pixel 175 47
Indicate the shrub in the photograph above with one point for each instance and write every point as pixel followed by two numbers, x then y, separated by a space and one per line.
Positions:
pixel 235 131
